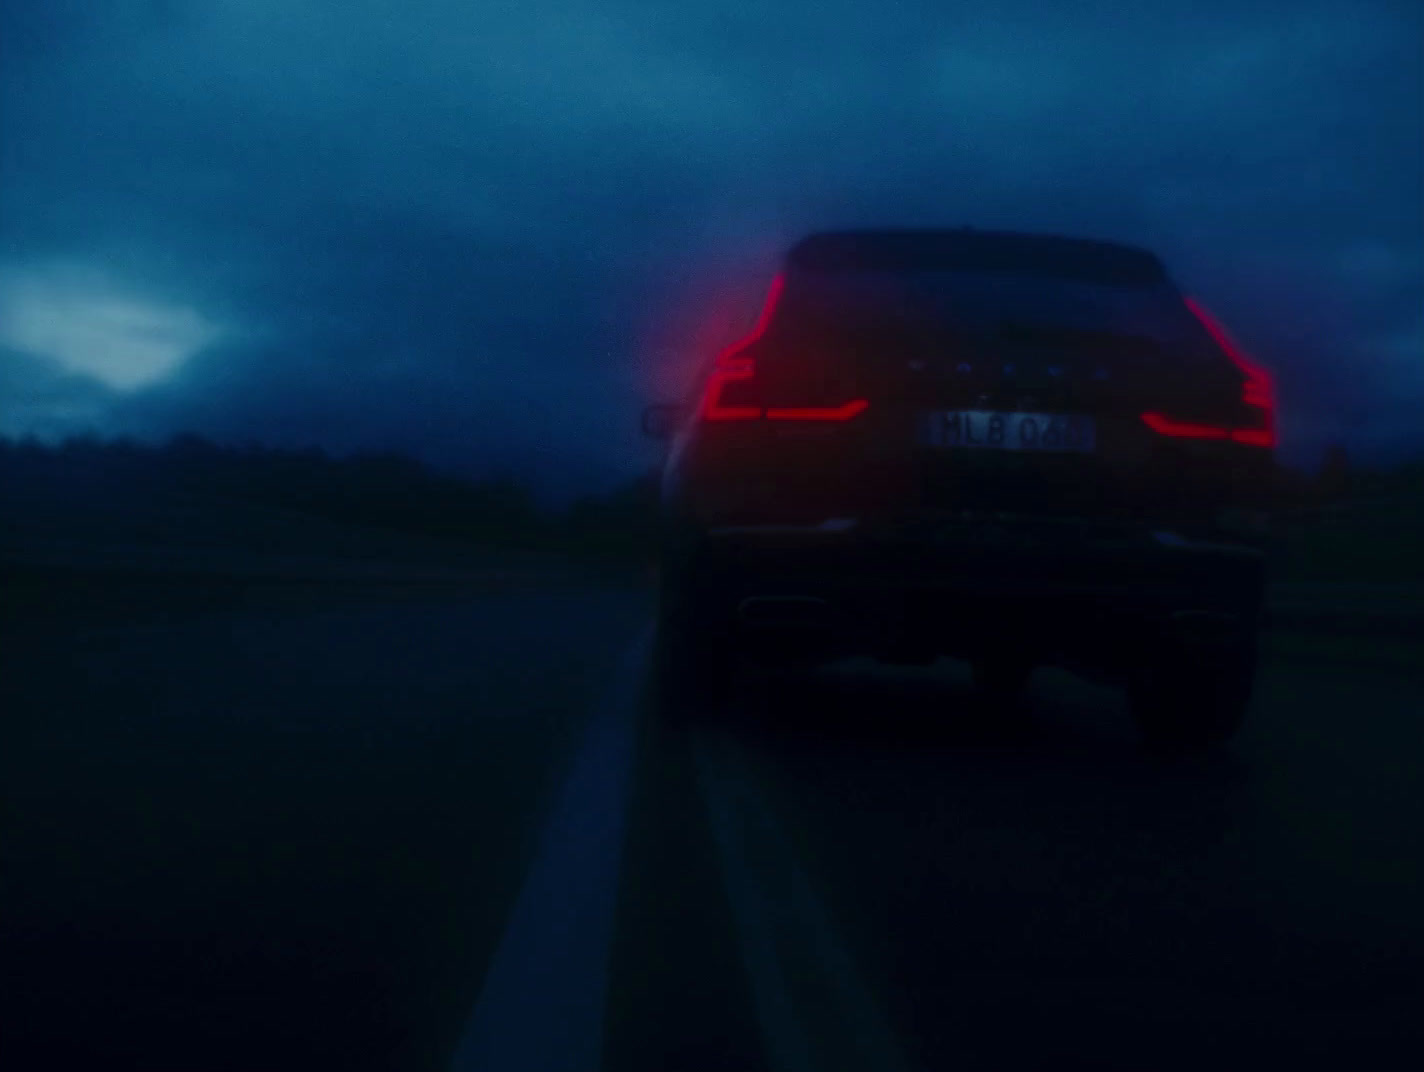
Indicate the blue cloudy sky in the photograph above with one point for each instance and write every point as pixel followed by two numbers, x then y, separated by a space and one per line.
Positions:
pixel 486 231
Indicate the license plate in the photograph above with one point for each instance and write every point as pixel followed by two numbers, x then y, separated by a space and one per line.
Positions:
pixel 975 429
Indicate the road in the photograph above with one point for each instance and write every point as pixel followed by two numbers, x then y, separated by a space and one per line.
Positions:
pixel 436 830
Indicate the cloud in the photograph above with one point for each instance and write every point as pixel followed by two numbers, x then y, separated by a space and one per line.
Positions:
pixel 80 321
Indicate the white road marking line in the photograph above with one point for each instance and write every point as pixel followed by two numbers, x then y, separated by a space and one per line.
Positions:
pixel 778 917
pixel 783 1034
pixel 542 1004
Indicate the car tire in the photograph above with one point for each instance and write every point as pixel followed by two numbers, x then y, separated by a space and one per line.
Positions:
pixel 1193 698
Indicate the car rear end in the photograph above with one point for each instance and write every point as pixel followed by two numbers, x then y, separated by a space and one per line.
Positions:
pixel 945 442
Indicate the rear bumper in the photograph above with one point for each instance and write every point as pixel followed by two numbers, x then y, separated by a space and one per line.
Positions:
pixel 953 586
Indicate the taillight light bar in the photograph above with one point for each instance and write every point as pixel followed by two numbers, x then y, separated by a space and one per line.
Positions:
pixel 1257 392
pixel 851 409
pixel 742 370
pixel 734 367
pixel 724 373
pixel 1256 437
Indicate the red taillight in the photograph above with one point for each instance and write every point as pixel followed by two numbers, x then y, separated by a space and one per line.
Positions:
pixel 1257 395
pixel 1184 429
pixel 818 413
pixel 725 373
pixel 1258 390
pixel 1255 437
pixel 734 373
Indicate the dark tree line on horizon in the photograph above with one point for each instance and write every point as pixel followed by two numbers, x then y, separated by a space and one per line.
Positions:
pixel 385 490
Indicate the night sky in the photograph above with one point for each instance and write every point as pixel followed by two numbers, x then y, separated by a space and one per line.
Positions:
pixel 488 232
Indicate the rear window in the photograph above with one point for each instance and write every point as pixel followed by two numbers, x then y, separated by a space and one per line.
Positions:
pixel 1000 303
pixel 970 250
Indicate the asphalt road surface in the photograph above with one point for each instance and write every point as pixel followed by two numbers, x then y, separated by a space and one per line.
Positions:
pixel 433 831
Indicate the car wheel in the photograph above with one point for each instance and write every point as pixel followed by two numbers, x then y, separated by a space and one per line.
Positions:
pixel 1191 698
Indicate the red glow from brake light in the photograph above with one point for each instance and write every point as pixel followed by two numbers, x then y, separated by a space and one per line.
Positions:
pixel 1254 437
pixel 763 321
pixel 1258 391
pixel 728 370
pixel 1251 437
pixel 773 298
pixel 822 413
pixel 1184 429
pixel 1256 376
pixel 731 367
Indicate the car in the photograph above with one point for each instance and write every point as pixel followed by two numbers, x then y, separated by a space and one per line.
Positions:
pixel 1013 449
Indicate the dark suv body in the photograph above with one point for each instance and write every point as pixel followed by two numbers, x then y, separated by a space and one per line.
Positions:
pixel 1013 449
